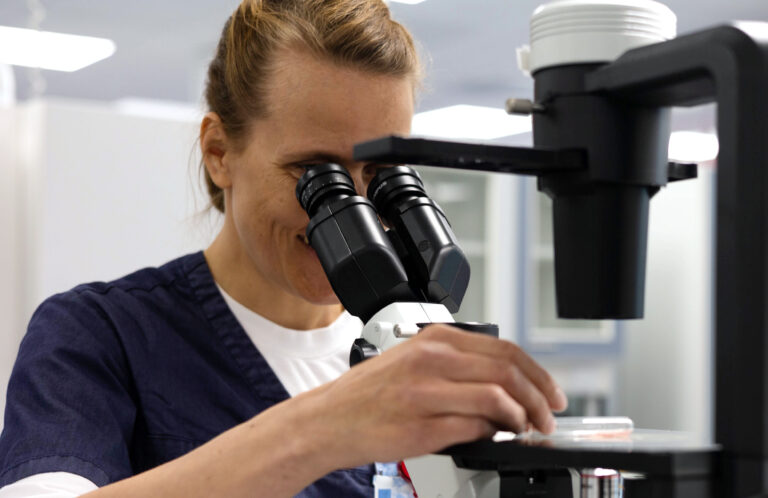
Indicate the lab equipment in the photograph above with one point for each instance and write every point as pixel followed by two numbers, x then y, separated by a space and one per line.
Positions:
pixel 605 76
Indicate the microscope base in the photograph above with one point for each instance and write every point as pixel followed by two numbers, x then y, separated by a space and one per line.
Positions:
pixel 653 464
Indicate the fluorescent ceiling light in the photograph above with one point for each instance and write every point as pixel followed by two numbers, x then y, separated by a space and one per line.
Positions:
pixel 409 2
pixel 693 146
pixel 469 122
pixel 159 109
pixel 47 50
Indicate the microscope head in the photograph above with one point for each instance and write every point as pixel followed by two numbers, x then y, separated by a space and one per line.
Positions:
pixel 600 142
pixel 600 213
pixel 415 259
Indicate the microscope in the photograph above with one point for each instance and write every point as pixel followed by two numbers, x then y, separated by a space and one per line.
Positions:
pixel 606 74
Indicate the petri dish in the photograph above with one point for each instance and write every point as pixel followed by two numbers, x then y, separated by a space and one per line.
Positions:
pixel 574 428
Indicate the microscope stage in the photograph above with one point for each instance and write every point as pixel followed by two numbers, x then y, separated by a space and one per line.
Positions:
pixel 660 453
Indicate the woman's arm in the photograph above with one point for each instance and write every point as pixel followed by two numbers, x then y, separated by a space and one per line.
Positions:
pixel 443 387
pixel 274 454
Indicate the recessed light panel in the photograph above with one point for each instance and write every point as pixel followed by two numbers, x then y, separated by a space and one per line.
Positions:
pixel 469 122
pixel 48 50
pixel 693 146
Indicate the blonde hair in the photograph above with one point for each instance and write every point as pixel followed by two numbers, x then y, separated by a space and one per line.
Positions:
pixel 353 33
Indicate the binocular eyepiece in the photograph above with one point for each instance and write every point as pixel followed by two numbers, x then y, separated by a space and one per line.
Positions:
pixel 418 259
pixel 323 184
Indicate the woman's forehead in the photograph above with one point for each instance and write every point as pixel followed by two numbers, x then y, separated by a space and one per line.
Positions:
pixel 318 106
pixel 306 87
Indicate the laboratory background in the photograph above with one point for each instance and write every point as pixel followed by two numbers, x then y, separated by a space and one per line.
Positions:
pixel 100 177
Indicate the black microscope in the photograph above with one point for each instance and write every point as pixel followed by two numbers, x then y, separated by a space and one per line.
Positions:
pixel 600 130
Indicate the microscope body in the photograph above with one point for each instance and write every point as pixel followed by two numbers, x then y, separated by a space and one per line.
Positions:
pixel 600 135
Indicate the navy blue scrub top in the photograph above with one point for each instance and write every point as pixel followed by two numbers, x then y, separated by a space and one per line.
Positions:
pixel 116 378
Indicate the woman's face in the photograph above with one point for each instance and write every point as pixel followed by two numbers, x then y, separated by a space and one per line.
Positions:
pixel 318 111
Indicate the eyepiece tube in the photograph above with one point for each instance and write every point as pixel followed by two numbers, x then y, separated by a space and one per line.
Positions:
pixel 424 238
pixel 323 184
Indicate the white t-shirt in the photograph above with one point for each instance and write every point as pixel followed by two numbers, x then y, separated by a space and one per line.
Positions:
pixel 301 359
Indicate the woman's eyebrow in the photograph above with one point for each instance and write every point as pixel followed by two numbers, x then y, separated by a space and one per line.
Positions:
pixel 317 155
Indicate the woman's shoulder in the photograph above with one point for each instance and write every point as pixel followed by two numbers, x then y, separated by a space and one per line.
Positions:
pixel 143 295
pixel 175 273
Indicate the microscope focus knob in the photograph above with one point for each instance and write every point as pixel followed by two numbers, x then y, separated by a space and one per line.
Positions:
pixel 522 107
pixel 361 351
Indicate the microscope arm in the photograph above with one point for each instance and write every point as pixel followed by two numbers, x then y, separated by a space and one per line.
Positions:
pixel 727 65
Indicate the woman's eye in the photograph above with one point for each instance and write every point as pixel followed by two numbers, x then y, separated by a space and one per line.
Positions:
pixel 300 169
pixel 371 170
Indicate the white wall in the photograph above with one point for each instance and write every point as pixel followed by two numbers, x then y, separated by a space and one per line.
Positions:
pixel 10 302
pixel 102 193
pixel 109 193
pixel 667 368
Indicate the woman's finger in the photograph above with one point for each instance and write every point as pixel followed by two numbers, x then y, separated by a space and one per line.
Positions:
pixel 470 367
pixel 447 430
pixel 484 400
pixel 501 350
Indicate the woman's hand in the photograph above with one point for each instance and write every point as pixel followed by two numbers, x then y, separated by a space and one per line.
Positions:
pixel 443 387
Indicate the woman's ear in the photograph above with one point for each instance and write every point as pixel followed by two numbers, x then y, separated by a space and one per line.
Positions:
pixel 215 148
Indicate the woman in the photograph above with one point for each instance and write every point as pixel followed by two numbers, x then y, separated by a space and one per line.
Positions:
pixel 151 385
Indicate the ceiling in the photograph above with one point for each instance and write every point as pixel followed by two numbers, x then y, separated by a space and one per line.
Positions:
pixel 163 46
